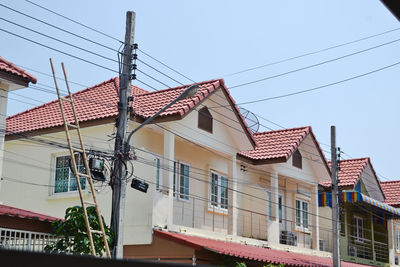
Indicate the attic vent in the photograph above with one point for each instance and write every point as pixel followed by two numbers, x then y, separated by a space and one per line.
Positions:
pixel 297 159
pixel 205 120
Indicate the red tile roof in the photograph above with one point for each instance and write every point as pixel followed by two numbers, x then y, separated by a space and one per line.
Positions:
pixel 391 189
pixel 11 68
pixel 249 252
pixel 100 101
pixel 278 146
pixel 25 214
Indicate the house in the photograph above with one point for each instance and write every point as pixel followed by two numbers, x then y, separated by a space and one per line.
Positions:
pixel 24 230
pixel 11 78
pixel 209 176
pixel 391 190
pixel 365 235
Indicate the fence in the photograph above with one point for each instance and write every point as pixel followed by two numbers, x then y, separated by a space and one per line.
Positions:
pixel 24 240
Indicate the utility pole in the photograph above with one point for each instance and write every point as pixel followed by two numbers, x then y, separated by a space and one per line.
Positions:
pixel 335 201
pixel 119 175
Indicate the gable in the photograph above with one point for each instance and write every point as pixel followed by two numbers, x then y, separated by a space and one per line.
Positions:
pixel 371 183
pixel 228 134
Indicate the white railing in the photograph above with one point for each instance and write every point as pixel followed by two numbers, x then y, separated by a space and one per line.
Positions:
pixel 24 240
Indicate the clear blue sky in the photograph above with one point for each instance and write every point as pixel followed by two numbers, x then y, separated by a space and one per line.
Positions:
pixel 208 39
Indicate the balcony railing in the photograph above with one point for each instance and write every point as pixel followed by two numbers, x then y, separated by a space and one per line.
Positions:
pixel 366 249
pixel 24 240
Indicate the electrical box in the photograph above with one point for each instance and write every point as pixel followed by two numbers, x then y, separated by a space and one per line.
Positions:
pixel 140 185
pixel 96 166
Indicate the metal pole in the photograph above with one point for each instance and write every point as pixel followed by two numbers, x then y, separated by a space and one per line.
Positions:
pixel 335 202
pixel 119 182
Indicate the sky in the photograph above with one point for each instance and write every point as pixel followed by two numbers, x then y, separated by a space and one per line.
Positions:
pixel 205 40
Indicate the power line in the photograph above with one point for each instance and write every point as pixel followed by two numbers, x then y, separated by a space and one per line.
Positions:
pixel 59 51
pixel 310 53
pixel 58 28
pixel 317 64
pixel 322 86
pixel 74 21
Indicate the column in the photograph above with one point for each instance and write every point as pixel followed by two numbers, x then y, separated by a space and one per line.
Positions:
pixel 391 239
pixel 273 226
pixel 3 114
pixel 235 203
pixel 168 173
pixel 315 228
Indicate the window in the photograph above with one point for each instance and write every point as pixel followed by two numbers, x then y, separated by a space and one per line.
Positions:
pixel 358 229
pixel 158 173
pixel 297 159
pixel 181 180
pixel 205 120
pixel 64 177
pixel 219 191
pixel 270 202
pixel 398 240
pixel 302 214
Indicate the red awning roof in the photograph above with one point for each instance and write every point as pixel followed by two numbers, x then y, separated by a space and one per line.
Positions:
pixel 248 252
pixel 25 214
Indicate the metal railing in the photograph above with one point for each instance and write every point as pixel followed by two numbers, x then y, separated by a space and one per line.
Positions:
pixel 366 249
pixel 24 240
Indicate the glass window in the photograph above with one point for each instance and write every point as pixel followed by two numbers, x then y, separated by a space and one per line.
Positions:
pixel 270 217
pixel 302 214
pixel 398 240
pixel 184 181
pixel 358 228
pixel 158 173
pixel 280 208
pixel 219 191
pixel 64 177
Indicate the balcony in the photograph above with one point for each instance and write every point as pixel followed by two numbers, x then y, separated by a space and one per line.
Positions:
pixel 367 249
pixel 24 240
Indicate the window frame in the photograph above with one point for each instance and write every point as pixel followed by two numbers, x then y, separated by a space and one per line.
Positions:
pixel 70 176
pixel 356 228
pixel 397 238
pixel 158 171
pixel 220 207
pixel 177 181
pixel 300 225
pixel 280 207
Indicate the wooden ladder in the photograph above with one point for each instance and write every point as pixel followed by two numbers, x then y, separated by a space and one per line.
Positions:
pixel 78 175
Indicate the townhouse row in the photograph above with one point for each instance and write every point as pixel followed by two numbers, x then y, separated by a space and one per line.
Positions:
pixel 218 193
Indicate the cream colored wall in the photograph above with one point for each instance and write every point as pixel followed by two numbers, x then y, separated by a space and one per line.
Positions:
pixel 3 114
pixel 325 223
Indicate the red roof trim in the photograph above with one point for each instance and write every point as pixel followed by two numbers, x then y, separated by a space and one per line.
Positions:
pixel 12 69
pixel 250 252
pixel 25 214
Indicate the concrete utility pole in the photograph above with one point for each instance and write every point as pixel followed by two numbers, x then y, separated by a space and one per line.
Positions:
pixel 119 179
pixel 335 201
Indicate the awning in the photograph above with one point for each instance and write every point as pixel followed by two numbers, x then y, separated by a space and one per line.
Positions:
pixel 325 200
pixel 248 252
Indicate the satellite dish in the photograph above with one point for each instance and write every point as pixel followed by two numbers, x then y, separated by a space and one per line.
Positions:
pixel 251 119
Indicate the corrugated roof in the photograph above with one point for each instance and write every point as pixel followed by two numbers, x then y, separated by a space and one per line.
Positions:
pixel 249 252
pixel 11 68
pixel 25 214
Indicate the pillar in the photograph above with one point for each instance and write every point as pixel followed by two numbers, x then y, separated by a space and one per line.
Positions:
pixel 3 115
pixel 315 221
pixel 168 173
pixel 391 241
pixel 235 203
pixel 273 225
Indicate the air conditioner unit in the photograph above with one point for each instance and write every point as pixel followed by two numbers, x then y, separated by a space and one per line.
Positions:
pixel 396 260
pixel 352 251
pixel 288 238
pixel 323 245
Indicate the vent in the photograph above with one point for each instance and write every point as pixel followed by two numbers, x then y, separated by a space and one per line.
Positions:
pixel 396 260
pixel 323 245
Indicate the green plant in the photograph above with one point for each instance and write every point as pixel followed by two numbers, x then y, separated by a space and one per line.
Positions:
pixel 240 264
pixel 72 233
pixel 274 265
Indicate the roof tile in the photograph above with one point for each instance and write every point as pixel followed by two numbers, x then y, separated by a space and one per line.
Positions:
pixel 25 214
pixel 391 190
pixel 11 68
pixel 350 171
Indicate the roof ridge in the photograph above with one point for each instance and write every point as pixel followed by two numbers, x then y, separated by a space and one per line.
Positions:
pixel 51 102
pixel 283 130
pixel 393 181
pixel 179 87
pixel 355 159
